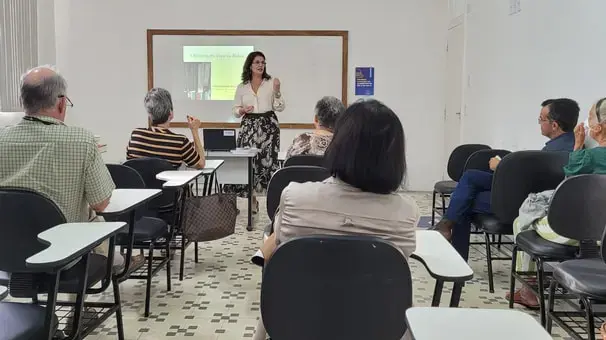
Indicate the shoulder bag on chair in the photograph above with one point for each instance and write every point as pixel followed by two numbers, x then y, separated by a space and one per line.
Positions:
pixel 208 218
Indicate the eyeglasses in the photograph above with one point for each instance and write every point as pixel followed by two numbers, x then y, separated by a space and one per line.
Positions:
pixel 69 102
pixel 541 120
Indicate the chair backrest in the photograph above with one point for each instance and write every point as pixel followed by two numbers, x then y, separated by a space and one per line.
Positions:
pixel 458 158
pixel 336 287
pixel 23 215
pixel 520 174
pixel 282 177
pixel 125 177
pixel 148 168
pixel 479 159
pixel 577 208
pixel 311 160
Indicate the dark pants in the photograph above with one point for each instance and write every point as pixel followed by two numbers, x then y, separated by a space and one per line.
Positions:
pixel 472 195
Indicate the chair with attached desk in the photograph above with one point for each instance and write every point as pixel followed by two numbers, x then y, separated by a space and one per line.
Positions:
pixel 577 212
pixel 454 168
pixel 281 179
pixel 309 160
pixel 330 287
pixel 479 160
pixel 26 216
pixel 529 172
pixel 149 232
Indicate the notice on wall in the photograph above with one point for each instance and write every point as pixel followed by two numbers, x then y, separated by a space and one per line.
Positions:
pixel 365 81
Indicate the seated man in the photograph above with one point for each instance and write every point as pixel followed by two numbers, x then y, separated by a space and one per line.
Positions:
pixel 44 155
pixel 582 161
pixel 557 119
pixel 158 141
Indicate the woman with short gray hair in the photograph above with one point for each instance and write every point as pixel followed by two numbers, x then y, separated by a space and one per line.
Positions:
pixel 328 109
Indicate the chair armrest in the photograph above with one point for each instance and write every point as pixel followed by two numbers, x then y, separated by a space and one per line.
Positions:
pixel 67 242
pixel 439 257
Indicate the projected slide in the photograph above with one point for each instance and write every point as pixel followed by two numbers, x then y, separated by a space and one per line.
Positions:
pixel 213 72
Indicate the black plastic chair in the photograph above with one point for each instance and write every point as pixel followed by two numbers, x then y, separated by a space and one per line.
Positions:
pixel 456 163
pixel 310 160
pixel 166 206
pixel 285 176
pixel 149 232
pixel 577 212
pixel 530 172
pixel 23 215
pixel 479 160
pixel 340 290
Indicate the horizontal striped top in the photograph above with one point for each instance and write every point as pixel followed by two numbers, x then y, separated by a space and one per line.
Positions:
pixel 162 143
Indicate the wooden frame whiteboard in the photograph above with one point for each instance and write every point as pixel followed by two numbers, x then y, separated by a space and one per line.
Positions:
pixel 344 61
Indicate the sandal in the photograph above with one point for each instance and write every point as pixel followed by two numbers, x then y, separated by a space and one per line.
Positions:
pixel 517 298
pixel 603 330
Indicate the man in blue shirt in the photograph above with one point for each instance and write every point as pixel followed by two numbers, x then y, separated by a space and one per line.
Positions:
pixel 557 119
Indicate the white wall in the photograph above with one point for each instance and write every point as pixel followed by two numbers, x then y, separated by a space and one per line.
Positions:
pixel 101 50
pixel 552 48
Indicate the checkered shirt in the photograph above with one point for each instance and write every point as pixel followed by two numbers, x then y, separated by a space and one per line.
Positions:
pixel 60 162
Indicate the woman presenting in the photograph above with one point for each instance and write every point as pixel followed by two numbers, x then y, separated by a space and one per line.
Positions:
pixel 257 100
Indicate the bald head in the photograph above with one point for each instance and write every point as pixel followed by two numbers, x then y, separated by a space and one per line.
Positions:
pixel 41 90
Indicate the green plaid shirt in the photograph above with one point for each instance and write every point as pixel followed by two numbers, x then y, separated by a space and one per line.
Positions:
pixel 61 162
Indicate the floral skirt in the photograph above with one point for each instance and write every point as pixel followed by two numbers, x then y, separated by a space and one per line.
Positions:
pixel 261 131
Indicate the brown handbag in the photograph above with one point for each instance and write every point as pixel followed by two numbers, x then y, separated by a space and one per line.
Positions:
pixel 209 218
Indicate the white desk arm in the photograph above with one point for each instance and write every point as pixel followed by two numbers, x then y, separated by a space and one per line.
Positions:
pixel 67 242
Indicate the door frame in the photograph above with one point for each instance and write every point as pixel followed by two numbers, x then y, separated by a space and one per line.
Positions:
pixel 460 20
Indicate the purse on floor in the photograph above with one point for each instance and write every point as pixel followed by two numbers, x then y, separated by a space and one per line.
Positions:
pixel 208 218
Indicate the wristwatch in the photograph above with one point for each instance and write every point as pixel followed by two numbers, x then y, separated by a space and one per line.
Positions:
pixel 277 94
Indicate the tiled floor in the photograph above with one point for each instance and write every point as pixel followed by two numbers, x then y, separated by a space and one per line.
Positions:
pixel 219 298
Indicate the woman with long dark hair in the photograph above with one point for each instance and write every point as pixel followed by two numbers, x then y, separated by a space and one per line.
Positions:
pixel 257 100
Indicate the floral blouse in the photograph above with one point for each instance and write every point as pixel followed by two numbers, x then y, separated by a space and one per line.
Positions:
pixel 309 143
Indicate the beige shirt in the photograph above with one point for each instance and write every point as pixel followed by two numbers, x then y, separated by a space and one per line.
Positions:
pixel 262 101
pixel 333 207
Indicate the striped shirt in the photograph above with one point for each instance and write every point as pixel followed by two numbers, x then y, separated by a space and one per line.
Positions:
pixel 162 143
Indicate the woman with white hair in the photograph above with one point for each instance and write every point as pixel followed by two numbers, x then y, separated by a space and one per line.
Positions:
pixel 328 109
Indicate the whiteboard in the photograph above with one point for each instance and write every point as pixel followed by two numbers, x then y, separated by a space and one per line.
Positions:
pixel 309 67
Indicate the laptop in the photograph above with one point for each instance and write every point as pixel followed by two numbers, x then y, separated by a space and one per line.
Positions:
pixel 219 139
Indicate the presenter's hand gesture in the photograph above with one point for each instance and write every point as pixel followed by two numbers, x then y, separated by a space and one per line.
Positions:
pixel 276 85
pixel 194 123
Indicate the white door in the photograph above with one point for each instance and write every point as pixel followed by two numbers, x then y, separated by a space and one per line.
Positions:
pixel 454 91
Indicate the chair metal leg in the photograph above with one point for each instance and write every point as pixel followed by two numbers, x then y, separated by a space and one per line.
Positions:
pixel 80 296
pixel 437 293
pixel 489 263
pixel 540 290
pixel 443 204
pixel 499 240
pixel 196 252
pixel 51 301
pixel 551 304
pixel 589 316
pixel 118 302
pixel 182 266
pixel 512 279
pixel 168 287
pixel 433 209
pixel 150 263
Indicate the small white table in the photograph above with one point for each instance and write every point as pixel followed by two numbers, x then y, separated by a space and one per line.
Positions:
pixel 238 169
pixel 127 201
pixel 427 323
pixel 70 241
pixel 180 178
pixel 443 263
